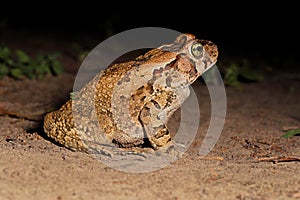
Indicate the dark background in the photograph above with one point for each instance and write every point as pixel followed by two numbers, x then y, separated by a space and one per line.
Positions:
pixel 237 28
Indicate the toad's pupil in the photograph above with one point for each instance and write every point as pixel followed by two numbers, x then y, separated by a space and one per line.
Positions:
pixel 199 48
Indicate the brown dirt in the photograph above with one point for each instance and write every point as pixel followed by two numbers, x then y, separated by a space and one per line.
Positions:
pixel 33 167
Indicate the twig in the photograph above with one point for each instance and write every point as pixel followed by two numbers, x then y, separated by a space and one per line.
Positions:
pixel 211 158
pixel 277 159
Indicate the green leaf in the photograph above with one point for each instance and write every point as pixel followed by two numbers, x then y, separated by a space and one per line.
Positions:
pixel 16 73
pixel 4 53
pixel 28 70
pixel 22 57
pixel 22 65
pixel 291 133
pixel 3 70
pixel 42 70
pixel 74 95
pixel 249 75
pixel 57 67
pixel 83 55
pixel 231 75
pixel 10 62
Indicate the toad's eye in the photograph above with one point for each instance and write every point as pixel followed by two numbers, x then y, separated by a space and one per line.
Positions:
pixel 197 50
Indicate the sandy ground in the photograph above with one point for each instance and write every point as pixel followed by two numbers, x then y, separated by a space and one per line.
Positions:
pixel 32 167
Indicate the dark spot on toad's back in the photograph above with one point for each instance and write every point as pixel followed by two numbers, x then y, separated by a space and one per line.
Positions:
pixel 157 72
pixel 155 104
pixel 168 81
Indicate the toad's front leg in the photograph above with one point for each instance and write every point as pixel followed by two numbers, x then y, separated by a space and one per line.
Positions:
pixel 154 127
pixel 155 114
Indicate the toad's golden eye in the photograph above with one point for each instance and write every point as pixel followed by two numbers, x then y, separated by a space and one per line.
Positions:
pixel 197 50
